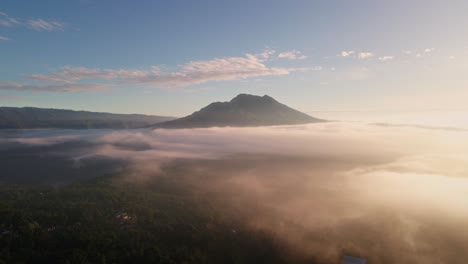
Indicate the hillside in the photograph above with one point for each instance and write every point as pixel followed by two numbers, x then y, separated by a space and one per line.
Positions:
pixel 243 110
pixel 30 117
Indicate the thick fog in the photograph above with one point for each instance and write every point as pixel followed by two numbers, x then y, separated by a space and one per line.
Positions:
pixel 392 194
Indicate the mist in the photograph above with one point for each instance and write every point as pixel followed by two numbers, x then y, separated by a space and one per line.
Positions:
pixel 391 194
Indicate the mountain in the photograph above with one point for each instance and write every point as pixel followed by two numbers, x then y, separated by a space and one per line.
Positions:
pixel 243 110
pixel 30 117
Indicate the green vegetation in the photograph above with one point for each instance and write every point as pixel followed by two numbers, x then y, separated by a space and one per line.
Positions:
pixel 113 221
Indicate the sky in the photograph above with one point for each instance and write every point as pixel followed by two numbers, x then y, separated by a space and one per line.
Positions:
pixel 327 58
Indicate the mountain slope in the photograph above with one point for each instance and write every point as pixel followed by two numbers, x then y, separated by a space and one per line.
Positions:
pixel 30 117
pixel 243 110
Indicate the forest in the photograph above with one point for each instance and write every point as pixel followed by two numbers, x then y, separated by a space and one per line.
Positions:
pixel 105 220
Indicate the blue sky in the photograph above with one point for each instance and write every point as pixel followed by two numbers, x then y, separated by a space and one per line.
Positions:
pixel 173 57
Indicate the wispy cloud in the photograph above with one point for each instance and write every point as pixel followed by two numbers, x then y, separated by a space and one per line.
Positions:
pixel 38 24
pixel 358 55
pixel 365 55
pixel 292 55
pixel 420 52
pixel 386 58
pixel 45 25
pixel 219 69
pixel 191 73
pixel 407 52
pixel 266 54
pixel 429 50
pixel 346 53
pixel 4 38
pixel 69 74
pixel 7 21
pixel 72 87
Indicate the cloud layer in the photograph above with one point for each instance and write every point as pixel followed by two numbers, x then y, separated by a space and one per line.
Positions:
pixel 324 189
pixel 69 78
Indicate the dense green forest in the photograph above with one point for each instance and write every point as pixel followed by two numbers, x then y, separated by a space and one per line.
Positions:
pixel 114 221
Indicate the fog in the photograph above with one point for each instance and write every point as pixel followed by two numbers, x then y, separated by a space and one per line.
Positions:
pixel 392 194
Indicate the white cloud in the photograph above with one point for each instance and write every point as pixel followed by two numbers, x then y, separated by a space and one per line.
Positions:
pixel 419 53
pixel 386 58
pixel 354 54
pixel 45 25
pixel 292 55
pixel 346 53
pixel 4 38
pixel 365 55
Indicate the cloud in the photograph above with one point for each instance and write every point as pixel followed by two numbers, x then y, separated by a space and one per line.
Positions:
pixel 419 53
pixel 35 24
pixel 70 74
pixel 365 55
pixel 346 53
pixel 429 50
pixel 266 54
pixel 8 21
pixel 386 58
pixel 322 189
pixel 45 25
pixel 71 87
pixel 292 55
pixel 4 38
pixel 45 141
pixel 191 73
pixel 354 54
pixel 219 69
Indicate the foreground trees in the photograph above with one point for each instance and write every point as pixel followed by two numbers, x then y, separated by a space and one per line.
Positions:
pixel 107 221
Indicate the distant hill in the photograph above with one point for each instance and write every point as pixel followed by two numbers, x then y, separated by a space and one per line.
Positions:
pixel 243 110
pixel 30 117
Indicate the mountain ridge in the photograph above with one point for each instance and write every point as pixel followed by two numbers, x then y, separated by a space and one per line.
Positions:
pixel 241 111
pixel 34 117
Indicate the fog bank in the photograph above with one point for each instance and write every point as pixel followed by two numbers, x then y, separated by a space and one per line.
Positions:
pixel 393 194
